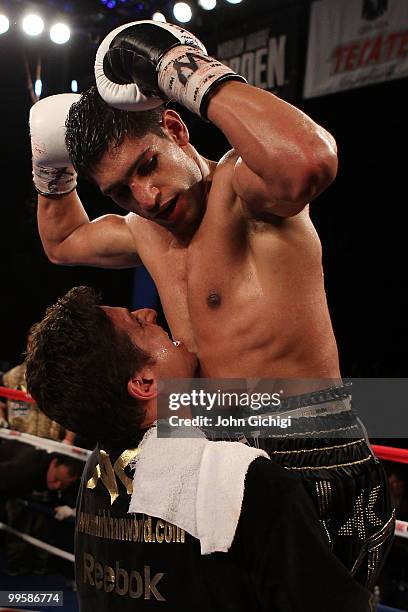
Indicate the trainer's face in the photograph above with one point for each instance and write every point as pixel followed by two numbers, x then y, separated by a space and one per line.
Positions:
pixel 156 177
pixel 171 359
pixel 59 477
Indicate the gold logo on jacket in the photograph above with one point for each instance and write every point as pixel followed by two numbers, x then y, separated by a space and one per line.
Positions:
pixel 133 583
pixel 106 473
pixel 129 528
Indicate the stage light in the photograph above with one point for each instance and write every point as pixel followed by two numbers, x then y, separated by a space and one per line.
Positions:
pixel 74 86
pixel 33 25
pixel 60 33
pixel 158 17
pixel 38 87
pixel 4 24
pixel 207 5
pixel 234 1
pixel 182 12
pixel 111 4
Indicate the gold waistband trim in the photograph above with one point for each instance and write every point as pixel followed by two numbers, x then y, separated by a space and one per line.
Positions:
pixel 328 467
pixel 314 432
pixel 311 450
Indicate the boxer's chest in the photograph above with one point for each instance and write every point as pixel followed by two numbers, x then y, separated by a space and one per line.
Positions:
pixel 209 286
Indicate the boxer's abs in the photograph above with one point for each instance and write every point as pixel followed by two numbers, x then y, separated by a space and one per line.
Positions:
pixel 243 322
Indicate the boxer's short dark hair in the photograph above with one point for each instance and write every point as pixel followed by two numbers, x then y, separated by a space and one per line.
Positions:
pixel 78 367
pixel 92 127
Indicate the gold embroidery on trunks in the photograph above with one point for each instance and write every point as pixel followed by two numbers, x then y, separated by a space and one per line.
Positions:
pixel 379 541
pixel 361 515
pixel 311 450
pixel 327 533
pixel 329 467
pixel 315 432
pixel 324 494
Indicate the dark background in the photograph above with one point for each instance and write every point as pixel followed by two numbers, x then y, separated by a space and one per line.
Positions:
pixel 361 219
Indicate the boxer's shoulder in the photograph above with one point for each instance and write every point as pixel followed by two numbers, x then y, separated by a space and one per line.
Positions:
pixel 223 176
pixel 228 159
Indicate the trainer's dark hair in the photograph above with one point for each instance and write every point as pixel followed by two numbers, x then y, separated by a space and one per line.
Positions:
pixel 78 367
pixel 92 127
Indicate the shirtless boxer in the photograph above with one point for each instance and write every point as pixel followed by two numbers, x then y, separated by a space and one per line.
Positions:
pixel 205 547
pixel 230 245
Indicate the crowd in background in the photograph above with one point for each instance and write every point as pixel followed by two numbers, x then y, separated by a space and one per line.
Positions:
pixel 38 489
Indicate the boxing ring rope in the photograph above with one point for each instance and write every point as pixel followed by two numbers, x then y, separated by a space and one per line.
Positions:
pixel 15 394
pixel 53 550
pixel 52 446
pixel 398 455
pixel 391 453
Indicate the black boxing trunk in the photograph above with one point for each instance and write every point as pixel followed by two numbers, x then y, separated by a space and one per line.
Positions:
pixel 329 450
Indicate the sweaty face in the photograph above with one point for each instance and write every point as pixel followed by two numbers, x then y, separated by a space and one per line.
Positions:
pixel 58 477
pixel 172 359
pixel 155 178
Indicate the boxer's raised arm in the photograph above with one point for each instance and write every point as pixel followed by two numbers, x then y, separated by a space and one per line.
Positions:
pixel 67 234
pixel 69 238
pixel 285 158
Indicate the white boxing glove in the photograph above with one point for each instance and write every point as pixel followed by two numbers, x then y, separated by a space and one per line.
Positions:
pixel 140 64
pixel 53 173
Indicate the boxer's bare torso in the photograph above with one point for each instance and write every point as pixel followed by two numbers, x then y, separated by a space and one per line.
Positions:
pixel 236 259
pixel 246 295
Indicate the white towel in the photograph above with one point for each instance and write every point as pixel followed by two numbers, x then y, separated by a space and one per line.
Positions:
pixel 193 483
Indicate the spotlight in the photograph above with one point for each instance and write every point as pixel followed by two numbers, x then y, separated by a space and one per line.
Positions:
pixel 234 1
pixel 4 24
pixel 38 87
pixel 60 33
pixel 33 25
pixel 158 17
pixel 74 86
pixel 207 5
pixel 182 12
pixel 111 4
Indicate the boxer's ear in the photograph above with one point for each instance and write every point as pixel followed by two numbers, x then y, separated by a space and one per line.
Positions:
pixel 175 127
pixel 143 384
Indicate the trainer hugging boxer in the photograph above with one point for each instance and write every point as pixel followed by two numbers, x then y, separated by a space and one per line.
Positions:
pixel 229 244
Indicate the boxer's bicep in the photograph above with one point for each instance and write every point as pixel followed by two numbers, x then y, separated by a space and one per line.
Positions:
pixel 104 242
pixel 70 238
